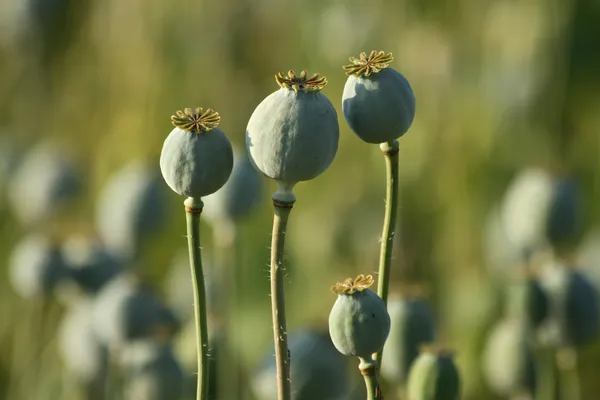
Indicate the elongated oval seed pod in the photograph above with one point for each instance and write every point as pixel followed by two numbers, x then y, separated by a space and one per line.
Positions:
pixel 124 311
pixel 378 102
pixel 434 376
pixel 508 365
pixel 293 134
pixel 563 220
pixel 359 323
pixel 196 158
pixel 36 266
pixel 317 371
pixel 582 314
pixel 130 207
pixel 412 326
pixel 44 180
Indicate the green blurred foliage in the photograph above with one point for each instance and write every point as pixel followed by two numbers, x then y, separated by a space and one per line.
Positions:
pixel 500 84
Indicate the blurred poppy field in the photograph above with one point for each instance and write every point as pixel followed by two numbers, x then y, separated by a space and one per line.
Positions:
pixel 497 247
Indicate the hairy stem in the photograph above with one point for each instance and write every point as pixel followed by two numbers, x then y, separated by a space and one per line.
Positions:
pixel 282 211
pixel 390 151
pixel 193 208
pixel 368 369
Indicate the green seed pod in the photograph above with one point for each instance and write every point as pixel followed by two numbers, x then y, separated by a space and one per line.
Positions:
pixel 293 134
pixel 196 158
pixel 359 323
pixel 508 365
pixel 378 102
pixel 412 326
pixel 433 376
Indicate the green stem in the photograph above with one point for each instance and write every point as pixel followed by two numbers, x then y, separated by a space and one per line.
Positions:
pixel 546 374
pixel 368 369
pixel 390 151
pixel 568 376
pixel 282 211
pixel 193 208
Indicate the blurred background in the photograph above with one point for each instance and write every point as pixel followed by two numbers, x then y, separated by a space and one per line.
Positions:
pixel 95 296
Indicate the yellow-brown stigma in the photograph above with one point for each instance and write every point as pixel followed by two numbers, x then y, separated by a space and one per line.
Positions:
pixel 196 120
pixel 301 83
pixel 367 65
pixel 350 286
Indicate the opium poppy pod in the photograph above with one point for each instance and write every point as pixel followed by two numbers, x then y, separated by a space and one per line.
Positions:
pixel 434 376
pixel 293 134
pixel 378 102
pixel 359 323
pixel 197 157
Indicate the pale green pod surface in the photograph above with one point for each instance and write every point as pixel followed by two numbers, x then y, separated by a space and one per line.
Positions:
pixel 507 362
pixel 433 376
pixel 293 134
pixel 359 323
pixel 412 326
pixel 378 101
pixel 196 158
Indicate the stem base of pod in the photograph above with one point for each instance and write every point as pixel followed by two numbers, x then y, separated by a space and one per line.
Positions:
pixel 368 369
pixel 282 207
pixel 390 151
pixel 193 209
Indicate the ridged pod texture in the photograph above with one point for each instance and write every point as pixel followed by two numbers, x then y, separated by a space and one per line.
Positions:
pixel 433 377
pixel 293 137
pixel 508 364
pixel 379 108
pixel 196 164
pixel 359 324
pixel 317 371
pixel 412 325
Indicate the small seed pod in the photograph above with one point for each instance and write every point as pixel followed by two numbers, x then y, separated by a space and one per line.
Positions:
pixel 129 209
pixel 36 266
pixel 196 158
pixel 153 372
pixel 581 310
pixel 317 370
pixel 238 197
pixel 527 299
pixel 508 365
pixel 359 323
pixel 82 353
pixel 125 310
pixel 90 265
pixel 43 181
pixel 293 134
pixel 378 102
pixel 563 218
pixel 412 326
pixel 434 376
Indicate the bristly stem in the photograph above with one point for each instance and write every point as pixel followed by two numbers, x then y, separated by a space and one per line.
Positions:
pixel 282 211
pixel 193 208
pixel 390 151
pixel 368 369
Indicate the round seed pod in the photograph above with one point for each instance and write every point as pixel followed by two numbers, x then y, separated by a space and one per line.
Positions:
pixel 131 206
pixel 412 326
pixel 43 181
pixel 317 370
pixel 378 102
pixel 125 310
pixel 434 376
pixel 508 365
pixel 82 353
pixel 238 197
pixel 89 264
pixel 359 323
pixel 36 266
pixel 153 372
pixel 293 134
pixel 196 158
